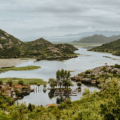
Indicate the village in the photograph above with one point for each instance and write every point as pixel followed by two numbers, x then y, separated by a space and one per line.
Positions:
pixel 15 91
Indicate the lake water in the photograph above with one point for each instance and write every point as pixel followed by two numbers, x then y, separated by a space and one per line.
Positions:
pixel 86 60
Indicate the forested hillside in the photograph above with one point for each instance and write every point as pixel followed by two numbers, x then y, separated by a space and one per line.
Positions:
pixel 11 47
pixel 112 47
pixel 98 39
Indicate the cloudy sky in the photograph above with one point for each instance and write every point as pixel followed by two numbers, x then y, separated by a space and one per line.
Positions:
pixel 40 18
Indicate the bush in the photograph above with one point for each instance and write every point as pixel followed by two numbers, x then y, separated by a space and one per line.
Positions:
pixel 117 66
pixel 104 69
pixel 85 75
pixel 20 82
pixel 114 71
pixel 79 84
pixel 1 82
pixel 10 82
pixel 88 72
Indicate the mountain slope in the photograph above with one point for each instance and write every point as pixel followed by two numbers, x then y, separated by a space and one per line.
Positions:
pixel 11 47
pixel 98 39
pixel 112 47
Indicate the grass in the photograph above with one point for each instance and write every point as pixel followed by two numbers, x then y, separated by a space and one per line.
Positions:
pixel 75 54
pixel 19 68
pixel 24 59
pixel 25 80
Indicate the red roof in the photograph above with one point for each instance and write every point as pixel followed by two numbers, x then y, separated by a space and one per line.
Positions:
pixel 18 86
pixel 54 104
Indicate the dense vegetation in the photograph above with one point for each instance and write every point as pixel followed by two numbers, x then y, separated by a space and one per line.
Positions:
pixel 103 105
pixel 11 47
pixel 62 79
pixel 98 39
pixel 112 47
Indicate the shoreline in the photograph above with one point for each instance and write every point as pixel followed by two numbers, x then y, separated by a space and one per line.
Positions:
pixel 13 62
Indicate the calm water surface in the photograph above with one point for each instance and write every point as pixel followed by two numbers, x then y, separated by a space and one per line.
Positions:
pixel 86 60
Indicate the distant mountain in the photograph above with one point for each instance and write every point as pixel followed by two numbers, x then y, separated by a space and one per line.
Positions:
pixel 112 47
pixel 11 47
pixel 71 37
pixel 98 39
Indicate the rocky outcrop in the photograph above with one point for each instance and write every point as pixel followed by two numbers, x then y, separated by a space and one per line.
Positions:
pixel 91 76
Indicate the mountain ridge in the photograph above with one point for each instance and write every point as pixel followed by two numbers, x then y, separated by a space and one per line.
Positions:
pixel 112 47
pixel 11 47
pixel 98 39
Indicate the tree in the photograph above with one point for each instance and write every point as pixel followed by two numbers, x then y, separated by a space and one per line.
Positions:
pixel 79 84
pixel 20 82
pixel 1 82
pixel 44 85
pixel 63 78
pixel 10 82
pixel 52 82
pixel 59 78
pixel 31 107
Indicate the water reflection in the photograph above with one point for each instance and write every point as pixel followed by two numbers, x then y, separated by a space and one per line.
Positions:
pixel 44 96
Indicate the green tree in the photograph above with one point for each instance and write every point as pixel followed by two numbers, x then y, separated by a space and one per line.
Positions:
pixel 1 82
pixel 63 78
pixel 52 82
pixel 10 82
pixel 79 84
pixel 20 82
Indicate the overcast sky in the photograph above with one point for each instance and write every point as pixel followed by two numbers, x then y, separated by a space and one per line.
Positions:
pixel 39 18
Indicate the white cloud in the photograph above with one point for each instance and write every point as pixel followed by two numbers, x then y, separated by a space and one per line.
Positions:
pixel 34 18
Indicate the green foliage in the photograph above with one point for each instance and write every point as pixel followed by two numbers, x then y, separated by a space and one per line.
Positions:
pixel 86 92
pixel 117 66
pixel 1 82
pixel 114 71
pixel 112 47
pixel 104 69
pixel 52 82
pixel 103 105
pixel 63 78
pixel 25 80
pixel 31 107
pixel 79 84
pixel 11 47
pixel 20 68
pixel 88 72
pixel 10 82
pixel 20 82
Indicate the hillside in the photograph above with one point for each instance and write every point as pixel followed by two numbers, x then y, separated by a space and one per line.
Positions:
pixel 98 39
pixel 112 47
pixel 11 47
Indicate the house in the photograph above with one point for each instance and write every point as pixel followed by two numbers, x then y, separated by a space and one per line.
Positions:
pixel 18 87
pixel 54 104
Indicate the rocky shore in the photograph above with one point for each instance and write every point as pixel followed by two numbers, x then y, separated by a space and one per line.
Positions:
pixel 91 76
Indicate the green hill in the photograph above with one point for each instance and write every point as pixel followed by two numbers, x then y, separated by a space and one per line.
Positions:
pixel 11 47
pixel 112 47
pixel 98 39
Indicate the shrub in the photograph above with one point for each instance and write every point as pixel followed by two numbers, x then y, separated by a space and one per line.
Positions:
pixel 79 84
pixel 9 82
pixel 1 82
pixel 88 72
pixel 20 82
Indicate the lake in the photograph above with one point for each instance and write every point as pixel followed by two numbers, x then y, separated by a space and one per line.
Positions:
pixel 86 60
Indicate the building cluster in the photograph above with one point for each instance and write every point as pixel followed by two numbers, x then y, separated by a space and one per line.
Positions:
pixel 8 90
